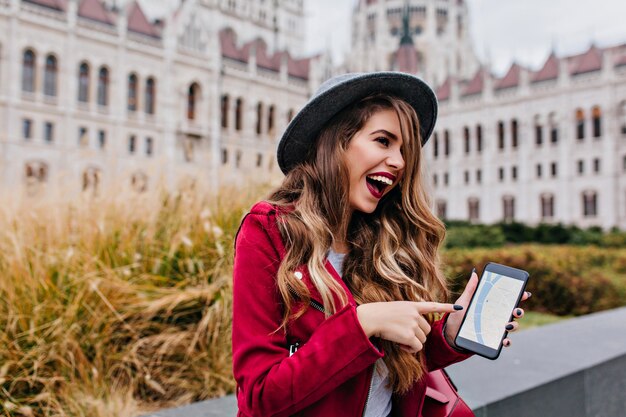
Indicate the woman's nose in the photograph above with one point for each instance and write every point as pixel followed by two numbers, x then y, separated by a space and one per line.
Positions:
pixel 396 160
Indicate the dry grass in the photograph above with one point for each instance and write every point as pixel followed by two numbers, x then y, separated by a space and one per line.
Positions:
pixel 121 304
pixel 116 305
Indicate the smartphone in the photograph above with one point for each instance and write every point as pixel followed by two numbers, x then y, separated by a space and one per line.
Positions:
pixel 499 291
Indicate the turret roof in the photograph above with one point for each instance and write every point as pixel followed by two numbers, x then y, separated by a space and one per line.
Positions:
pixel 511 79
pixel 94 10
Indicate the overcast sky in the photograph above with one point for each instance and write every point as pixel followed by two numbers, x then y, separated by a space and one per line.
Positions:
pixel 502 30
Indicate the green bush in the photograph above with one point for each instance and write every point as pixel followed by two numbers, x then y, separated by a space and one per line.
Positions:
pixel 474 236
pixel 563 280
pixel 468 235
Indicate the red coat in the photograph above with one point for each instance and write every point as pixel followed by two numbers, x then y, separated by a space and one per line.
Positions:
pixel 330 373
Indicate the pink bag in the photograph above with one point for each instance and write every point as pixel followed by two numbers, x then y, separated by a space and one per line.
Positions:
pixel 442 398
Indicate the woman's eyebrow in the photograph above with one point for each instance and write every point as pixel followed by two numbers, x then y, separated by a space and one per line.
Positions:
pixel 386 132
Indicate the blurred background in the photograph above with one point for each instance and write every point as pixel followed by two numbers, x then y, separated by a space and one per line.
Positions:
pixel 134 135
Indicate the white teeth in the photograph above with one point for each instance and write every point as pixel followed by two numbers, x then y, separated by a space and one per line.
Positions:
pixel 380 178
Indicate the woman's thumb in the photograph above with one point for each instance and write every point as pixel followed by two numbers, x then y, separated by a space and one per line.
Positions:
pixel 469 290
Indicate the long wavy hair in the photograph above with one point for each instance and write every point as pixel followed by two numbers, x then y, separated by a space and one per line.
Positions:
pixel 393 252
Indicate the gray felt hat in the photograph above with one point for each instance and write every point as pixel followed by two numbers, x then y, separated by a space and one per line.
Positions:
pixel 338 93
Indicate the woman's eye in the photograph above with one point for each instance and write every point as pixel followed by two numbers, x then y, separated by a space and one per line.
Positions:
pixel 383 140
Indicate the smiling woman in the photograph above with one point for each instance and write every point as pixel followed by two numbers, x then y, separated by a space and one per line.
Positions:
pixel 350 233
pixel 374 159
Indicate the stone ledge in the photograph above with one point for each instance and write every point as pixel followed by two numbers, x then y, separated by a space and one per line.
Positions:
pixel 572 368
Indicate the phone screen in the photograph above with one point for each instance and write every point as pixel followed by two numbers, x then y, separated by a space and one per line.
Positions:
pixel 490 310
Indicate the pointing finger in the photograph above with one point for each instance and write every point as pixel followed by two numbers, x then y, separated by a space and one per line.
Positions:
pixel 425 307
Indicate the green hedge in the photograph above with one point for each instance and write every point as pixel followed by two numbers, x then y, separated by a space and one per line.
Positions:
pixel 463 234
pixel 564 280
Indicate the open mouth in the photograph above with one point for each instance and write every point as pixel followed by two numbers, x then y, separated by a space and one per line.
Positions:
pixel 377 184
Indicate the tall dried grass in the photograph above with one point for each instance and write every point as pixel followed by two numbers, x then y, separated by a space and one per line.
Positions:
pixel 116 305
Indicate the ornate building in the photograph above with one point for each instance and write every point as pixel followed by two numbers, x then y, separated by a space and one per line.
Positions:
pixel 545 145
pixel 93 94
pixel 437 28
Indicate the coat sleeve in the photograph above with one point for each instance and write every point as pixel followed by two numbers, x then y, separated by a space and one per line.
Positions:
pixel 439 353
pixel 270 382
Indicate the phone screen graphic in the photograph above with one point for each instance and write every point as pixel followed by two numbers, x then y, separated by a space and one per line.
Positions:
pixel 490 310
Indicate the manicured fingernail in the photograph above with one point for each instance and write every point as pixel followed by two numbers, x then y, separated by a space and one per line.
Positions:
pixel 509 327
pixel 507 343
pixel 530 294
pixel 458 307
pixel 473 271
pixel 518 311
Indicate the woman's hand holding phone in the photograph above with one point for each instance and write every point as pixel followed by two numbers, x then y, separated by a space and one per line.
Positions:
pixel 455 319
pixel 401 322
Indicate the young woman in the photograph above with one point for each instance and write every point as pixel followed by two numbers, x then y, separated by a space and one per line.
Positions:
pixel 337 283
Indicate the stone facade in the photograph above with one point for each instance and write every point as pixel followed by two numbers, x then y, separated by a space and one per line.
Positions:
pixel 93 95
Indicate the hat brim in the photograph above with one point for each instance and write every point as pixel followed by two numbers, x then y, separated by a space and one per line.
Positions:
pixel 306 125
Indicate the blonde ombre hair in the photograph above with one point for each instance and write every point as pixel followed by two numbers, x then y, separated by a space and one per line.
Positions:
pixel 393 252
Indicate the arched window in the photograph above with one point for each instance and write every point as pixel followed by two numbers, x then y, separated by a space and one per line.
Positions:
pixel 547 206
pixel 132 144
pixel 596 115
pixel 225 106
pixel 36 175
pixel 150 95
pixel 590 203
pixel 270 119
pixel 132 92
pixel 554 128
pixel 28 71
pixel 538 131
pixel 446 142
pixel 139 181
pixel 479 138
pixel 442 209
pixel 435 145
pixel 290 115
pixel 149 146
pixel 466 139
pixel 508 208
pixel 580 124
pixel 91 179
pixel 50 76
pixel 239 114
pixel 192 100
pixel 83 83
pixel 473 209
pixel 500 135
pixel 103 87
pixel 259 117
pixel 514 133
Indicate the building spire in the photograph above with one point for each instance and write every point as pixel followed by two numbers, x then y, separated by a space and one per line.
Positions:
pixel 406 39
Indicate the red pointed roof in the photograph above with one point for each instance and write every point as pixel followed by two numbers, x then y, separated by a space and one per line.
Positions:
pixel 443 91
pixel 550 70
pixel 511 79
pixel 228 43
pixel 298 68
pixel 263 60
pixel 476 85
pixel 137 22
pixel 620 61
pixel 406 59
pixel 52 4
pixel 587 62
pixel 94 10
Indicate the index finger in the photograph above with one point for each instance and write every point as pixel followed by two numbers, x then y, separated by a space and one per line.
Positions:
pixel 434 307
